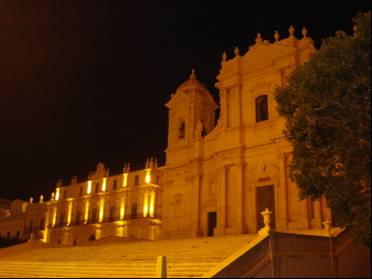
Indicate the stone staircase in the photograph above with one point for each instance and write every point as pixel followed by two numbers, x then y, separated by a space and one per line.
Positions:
pixel 186 258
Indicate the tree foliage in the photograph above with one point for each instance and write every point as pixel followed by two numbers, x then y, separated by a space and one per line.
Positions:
pixel 327 105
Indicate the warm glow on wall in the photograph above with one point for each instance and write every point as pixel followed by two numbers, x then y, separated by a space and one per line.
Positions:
pixel 86 213
pixel 148 176
pixel 101 210
pixel 122 209
pixel 57 194
pixel 69 214
pixel 54 218
pixel 125 179
pixel 152 204
pixel 104 180
pixel 89 188
pixel 145 205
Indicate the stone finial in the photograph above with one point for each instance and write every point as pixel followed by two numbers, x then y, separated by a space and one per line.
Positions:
pixel 59 183
pixel 192 76
pixel 327 226
pixel 276 35
pixel 74 179
pixel 236 51
pixel 258 38
pixel 304 32
pixel 41 198
pixel 31 199
pixel 224 56
pixel 291 30
pixel 266 219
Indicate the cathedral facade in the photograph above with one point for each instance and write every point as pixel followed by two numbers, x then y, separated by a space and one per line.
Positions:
pixel 217 178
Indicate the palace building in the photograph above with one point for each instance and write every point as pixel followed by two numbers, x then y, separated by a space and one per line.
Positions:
pixel 217 178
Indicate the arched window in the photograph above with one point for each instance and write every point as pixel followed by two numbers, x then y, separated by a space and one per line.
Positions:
pixel 62 219
pixel 181 131
pixel 94 215
pixel 112 213
pixel 77 217
pixel 134 211
pixel 262 109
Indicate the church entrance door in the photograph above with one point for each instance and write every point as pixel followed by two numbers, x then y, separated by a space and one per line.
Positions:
pixel 212 222
pixel 265 199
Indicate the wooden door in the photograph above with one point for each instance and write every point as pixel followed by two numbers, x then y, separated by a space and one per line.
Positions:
pixel 265 199
pixel 212 222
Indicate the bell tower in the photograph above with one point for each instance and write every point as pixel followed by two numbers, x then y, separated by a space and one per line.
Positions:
pixel 191 117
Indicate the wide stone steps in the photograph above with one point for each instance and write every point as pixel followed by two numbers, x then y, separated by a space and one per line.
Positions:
pixel 186 258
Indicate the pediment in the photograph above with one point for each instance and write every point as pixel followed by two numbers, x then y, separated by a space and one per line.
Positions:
pixel 263 53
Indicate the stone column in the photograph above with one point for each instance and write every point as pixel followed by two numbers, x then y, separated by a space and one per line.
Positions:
pixel 240 201
pixel 221 200
pixel 195 211
pixel 283 194
pixel 224 106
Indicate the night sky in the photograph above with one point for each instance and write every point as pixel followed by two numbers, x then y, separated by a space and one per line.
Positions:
pixel 86 81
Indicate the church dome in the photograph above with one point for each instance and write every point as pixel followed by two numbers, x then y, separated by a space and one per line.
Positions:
pixel 192 83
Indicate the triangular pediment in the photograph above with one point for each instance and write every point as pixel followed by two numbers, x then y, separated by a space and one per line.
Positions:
pixel 262 53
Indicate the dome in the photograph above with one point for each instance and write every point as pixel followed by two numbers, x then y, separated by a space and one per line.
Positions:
pixel 192 83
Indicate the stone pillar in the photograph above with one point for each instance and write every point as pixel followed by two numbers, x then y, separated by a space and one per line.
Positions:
pixel 240 201
pixel 238 105
pixel 221 206
pixel 161 267
pixel 283 194
pixel 224 107
pixel 195 214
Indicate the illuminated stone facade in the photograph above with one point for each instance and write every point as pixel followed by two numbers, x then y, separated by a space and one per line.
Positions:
pixel 124 205
pixel 217 177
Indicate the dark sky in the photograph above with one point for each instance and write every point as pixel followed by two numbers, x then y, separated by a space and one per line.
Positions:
pixel 83 81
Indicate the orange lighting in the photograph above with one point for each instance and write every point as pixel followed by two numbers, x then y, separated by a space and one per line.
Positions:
pixel 125 179
pixel 86 213
pixel 122 209
pixel 104 184
pixel 57 194
pixel 148 176
pixel 152 204
pixel 145 205
pixel 54 219
pixel 89 188
pixel 101 210
pixel 69 214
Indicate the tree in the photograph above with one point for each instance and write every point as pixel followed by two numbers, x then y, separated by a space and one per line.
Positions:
pixel 327 105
